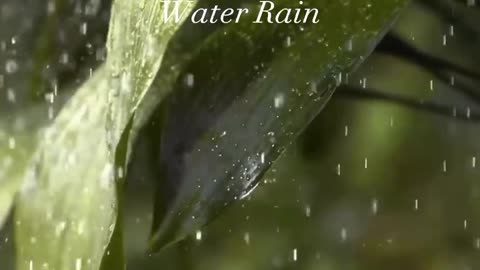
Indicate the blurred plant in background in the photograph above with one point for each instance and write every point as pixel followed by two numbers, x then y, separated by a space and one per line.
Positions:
pixel 384 178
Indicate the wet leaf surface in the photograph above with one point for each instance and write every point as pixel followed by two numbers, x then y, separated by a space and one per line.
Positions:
pixel 236 106
pixel 45 57
pixel 67 209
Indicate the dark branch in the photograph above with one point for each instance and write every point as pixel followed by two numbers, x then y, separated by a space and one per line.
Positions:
pixel 351 92
pixel 395 46
pixel 445 12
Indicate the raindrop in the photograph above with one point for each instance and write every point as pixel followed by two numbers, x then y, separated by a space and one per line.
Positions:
pixel 11 66
pixel 81 227
pixel 78 264
pixel 452 30
pixel 363 82
pixel 11 143
pixel 83 28
pixel 308 210
pixel 246 238
pixel 474 162
pixel 60 227
pixel 107 175
pixel 120 173
pixel 279 101
pixel 343 234
pixel 64 58
pixel 11 95
pixel 190 80
pixel 374 206
pixel 49 97
pixel 313 88
pixel 416 205
pixel 295 255
pixel 198 235
pixel 51 7
pixel 339 78
pixel 288 42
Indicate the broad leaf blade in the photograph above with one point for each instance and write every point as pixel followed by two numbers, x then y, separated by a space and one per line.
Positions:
pixel 15 149
pixel 250 91
pixel 18 135
pixel 34 56
pixel 136 60
pixel 68 207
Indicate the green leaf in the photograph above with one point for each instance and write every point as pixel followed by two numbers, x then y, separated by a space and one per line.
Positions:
pixel 246 95
pixel 17 142
pixel 36 53
pixel 14 151
pixel 135 61
pixel 67 209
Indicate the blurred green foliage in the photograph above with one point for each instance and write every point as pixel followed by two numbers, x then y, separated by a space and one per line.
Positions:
pixel 304 204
